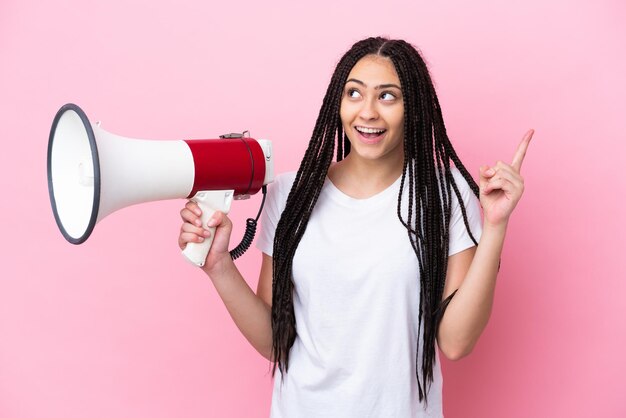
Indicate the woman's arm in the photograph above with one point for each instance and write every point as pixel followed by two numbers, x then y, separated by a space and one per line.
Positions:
pixel 473 271
pixel 251 312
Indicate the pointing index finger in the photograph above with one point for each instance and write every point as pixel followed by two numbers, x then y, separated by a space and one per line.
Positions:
pixel 521 150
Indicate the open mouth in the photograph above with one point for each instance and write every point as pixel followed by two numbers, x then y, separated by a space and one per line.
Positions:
pixel 370 133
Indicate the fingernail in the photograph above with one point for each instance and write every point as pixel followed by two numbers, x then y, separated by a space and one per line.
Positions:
pixel 200 239
pixel 197 212
pixel 490 172
pixel 211 222
pixel 207 233
pixel 198 222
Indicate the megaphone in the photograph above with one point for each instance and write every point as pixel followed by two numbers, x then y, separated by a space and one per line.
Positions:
pixel 92 173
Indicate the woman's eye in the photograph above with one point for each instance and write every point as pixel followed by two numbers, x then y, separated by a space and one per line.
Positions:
pixel 352 93
pixel 387 96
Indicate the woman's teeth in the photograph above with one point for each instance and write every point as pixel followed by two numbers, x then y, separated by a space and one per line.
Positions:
pixel 370 132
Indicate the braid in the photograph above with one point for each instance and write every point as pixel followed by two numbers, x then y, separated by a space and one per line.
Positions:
pixel 426 174
pixel 427 143
pixel 300 203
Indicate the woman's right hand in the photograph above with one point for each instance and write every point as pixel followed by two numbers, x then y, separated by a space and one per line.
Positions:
pixel 192 230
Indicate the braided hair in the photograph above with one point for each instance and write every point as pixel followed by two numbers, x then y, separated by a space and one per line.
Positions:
pixel 426 174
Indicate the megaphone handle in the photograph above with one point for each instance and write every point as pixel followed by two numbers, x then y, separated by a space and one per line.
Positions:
pixel 210 202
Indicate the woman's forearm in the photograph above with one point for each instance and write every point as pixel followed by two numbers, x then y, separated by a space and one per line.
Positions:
pixel 468 312
pixel 250 313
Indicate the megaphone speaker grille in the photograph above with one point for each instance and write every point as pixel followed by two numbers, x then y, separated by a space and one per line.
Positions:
pixel 73 174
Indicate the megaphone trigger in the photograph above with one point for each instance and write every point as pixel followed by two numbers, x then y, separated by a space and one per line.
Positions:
pixel 209 201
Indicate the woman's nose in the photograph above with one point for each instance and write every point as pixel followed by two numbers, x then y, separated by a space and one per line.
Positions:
pixel 368 110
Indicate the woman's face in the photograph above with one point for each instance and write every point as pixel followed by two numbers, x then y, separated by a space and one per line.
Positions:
pixel 372 110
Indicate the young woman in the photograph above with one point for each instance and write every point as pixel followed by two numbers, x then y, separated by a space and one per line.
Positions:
pixel 370 262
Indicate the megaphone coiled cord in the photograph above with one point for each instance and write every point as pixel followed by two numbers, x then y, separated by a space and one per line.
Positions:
pixel 249 233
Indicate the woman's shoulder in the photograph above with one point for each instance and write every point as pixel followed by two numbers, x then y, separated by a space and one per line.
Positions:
pixel 279 189
pixel 456 173
pixel 460 180
pixel 284 181
pixel 287 177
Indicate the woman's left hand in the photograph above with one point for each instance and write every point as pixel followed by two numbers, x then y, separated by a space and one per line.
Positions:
pixel 501 186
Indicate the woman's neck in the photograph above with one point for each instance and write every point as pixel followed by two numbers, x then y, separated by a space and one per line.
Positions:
pixel 360 178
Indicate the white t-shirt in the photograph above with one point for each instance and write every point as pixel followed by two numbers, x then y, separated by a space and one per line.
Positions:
pixel 356 302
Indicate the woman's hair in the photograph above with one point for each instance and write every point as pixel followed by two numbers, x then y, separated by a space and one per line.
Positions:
pixel 426 174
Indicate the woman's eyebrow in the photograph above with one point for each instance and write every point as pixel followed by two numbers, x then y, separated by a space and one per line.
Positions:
pixel 381 86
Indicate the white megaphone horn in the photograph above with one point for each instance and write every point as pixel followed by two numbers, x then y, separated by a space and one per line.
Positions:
pixel 92 173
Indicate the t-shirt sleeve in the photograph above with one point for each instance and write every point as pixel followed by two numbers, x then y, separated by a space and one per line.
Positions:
pixel 275 201
pixel 459 236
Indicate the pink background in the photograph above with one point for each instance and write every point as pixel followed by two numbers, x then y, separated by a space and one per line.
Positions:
pixel 122 327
